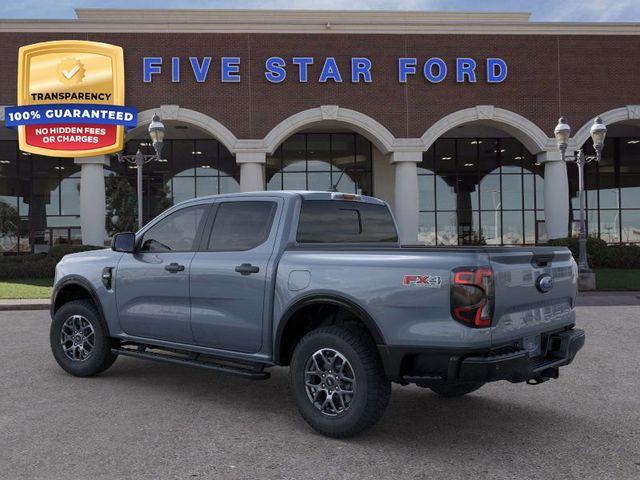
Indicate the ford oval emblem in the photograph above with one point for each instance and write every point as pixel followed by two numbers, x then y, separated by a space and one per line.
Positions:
pixel 544 283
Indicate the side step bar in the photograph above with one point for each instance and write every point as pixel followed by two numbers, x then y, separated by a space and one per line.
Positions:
pixel 249 371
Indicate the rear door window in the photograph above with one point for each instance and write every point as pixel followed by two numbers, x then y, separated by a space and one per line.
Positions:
pixel 241 225
pixel 336 221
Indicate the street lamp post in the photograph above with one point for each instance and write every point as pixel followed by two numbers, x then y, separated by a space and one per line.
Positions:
pixel 562 133
pixel 156 133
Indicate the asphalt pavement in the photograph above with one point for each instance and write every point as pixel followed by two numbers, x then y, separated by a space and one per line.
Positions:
pixel 145 420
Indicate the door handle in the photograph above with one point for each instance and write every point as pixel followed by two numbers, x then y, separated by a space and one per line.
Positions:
pixel 174 268
pixel 247 269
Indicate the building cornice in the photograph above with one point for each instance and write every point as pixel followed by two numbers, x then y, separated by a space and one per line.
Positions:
pixel 309 21
pixel 276 17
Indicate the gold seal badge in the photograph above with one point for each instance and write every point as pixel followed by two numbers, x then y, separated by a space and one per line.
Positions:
pixel 48 71
pixel 70 71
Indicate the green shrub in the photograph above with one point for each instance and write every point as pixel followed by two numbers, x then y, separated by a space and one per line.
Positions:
pixel 20 259
pixel 43 267
pixel 594 245
pixel 601 255
pixel 37 265
pixel 618 256
pixel 60 251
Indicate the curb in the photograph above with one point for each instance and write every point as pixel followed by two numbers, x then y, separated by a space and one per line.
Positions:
pixel 608 299
pixel 31 304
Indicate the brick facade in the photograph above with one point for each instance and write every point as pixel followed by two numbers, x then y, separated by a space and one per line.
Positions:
pixel 574 75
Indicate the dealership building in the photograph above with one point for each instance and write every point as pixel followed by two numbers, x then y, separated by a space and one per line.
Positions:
pixel 449 117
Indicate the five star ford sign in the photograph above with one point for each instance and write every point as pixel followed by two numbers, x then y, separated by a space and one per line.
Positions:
pixel 71 99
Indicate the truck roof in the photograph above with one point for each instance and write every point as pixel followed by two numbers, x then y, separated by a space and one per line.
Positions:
pixel 305 194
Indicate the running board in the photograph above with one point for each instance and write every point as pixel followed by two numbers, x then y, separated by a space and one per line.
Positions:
pixel 250 371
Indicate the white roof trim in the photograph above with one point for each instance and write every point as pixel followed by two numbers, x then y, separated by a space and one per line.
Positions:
pixel 311 21
pixel 263 16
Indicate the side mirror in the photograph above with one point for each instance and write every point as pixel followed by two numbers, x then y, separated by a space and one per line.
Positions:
pixel 124 242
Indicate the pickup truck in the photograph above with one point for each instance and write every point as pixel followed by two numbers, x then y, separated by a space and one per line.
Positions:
pixel 316 281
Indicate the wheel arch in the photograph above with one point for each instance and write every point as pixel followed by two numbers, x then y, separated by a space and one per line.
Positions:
pixel 288 320
pixel 72 288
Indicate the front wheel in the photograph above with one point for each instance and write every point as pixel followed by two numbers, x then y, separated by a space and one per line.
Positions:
pixel 79 339
pixel 338 381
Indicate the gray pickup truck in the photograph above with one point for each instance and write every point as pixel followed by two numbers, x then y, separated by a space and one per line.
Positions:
pixel 316 281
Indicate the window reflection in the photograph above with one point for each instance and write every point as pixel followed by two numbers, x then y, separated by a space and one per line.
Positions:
pixel 321 161
pixel 610 225
pixel 39 200
pixel 479 191
pixel 630 221
pixel 447 228
pixel 612 191
pixel 630 190
pixel 445 195
pixel 189 168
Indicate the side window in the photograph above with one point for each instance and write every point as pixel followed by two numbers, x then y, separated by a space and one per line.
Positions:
pixel 241 225
pixel 334 221
pixel 175 233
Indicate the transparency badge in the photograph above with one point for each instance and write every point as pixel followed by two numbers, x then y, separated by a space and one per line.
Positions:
pixel 70 99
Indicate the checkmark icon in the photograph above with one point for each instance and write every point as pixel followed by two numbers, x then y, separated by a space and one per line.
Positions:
pixel 71 73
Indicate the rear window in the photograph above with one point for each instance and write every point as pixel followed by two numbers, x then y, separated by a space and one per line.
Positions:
pixel 336 221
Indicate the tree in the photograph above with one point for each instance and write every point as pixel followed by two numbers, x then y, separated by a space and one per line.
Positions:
pixel 121 205
pixel 9 222
pixel 160 197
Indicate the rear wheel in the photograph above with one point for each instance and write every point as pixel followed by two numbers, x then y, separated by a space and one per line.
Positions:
pixel 338 381
pixel 456 390
pixel 79 339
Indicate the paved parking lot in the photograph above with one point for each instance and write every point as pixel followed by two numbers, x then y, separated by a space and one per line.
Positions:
pixel 154 421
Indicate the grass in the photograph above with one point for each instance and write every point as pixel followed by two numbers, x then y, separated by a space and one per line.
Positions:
pixel 25 288
pixel 617 279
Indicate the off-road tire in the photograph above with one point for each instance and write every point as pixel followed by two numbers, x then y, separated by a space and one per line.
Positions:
pixel 456 390
pixel 100 357
pixel 372 389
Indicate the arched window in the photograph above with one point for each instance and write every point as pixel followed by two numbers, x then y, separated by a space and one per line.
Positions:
pixel 612 188
pixel 321 161
pixel 479 191
pixel 188 169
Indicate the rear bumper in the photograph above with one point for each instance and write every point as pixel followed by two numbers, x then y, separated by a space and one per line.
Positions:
pixel 436 366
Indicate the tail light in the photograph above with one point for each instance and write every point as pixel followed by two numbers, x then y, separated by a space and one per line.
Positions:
pixel 472 296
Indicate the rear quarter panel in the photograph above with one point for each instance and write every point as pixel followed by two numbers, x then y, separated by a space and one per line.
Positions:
pixel 407 315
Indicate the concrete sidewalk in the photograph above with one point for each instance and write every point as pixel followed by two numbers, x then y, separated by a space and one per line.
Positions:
pixel 585 299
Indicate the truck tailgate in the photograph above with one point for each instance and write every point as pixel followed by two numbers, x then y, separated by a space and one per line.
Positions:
pixel 524 308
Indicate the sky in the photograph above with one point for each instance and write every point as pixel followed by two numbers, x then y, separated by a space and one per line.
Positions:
pixel 542 10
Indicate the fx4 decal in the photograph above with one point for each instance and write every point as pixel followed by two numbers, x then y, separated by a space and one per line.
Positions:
pixel 429 281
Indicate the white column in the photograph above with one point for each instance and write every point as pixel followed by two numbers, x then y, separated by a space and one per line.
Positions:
pixel 556 194
pixel 384 174
pixel 251 170
pixel 406 194
pixel 93 209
